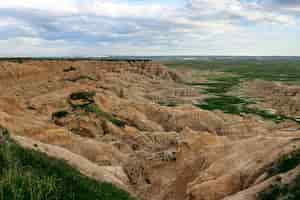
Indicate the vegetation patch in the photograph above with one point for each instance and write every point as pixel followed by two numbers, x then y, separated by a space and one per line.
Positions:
pixel 266 114
pixel 71 68
pixel 60 114
pixel 283 191
pixel 89 106
pixel 285 163
pixel 239 106
pixel 168 103
pixel 31 175
pixel 220 86
pixel 93 108
pixel 271 70
pixel 4 133
pixel 287 71
pixel 228 104
pixel 82 95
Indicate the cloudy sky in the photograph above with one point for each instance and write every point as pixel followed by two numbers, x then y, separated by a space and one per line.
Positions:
pixel 149 27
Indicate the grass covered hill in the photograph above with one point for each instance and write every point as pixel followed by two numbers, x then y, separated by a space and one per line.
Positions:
pixel 31 175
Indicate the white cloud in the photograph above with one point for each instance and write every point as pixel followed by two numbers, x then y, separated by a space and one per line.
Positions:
pixel 55 7
pixel 8 21
pixel 250 11
pixel 105 26
pixel 111 9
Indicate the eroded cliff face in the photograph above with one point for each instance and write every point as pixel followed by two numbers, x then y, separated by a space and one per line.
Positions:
pixel 134 124
pixel 284 99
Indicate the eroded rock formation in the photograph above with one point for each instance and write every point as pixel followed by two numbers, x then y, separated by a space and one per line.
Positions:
pixel 133 124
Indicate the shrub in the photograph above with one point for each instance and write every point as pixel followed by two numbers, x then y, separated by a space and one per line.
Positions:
pixel 60 114
pixel 4 132
pixel 82 95
pixel 71 68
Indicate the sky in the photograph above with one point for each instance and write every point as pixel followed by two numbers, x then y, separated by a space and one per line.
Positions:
pixel 149 27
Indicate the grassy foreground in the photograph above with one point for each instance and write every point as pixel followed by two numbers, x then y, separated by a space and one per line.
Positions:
pixel 30 175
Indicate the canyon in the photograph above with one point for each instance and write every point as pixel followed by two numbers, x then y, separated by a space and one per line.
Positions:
pixel 135 124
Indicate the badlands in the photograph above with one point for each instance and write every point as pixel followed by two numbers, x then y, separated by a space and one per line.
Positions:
pixel 135 124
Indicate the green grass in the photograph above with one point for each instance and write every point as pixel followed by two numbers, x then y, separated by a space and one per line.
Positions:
pixel 266 114
pixel 228 104
pixel 93 108
pixel 219 85
pixel 238 106
pixel 280 70
pixel 240 71
pixel 31 175
pixel 232 104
